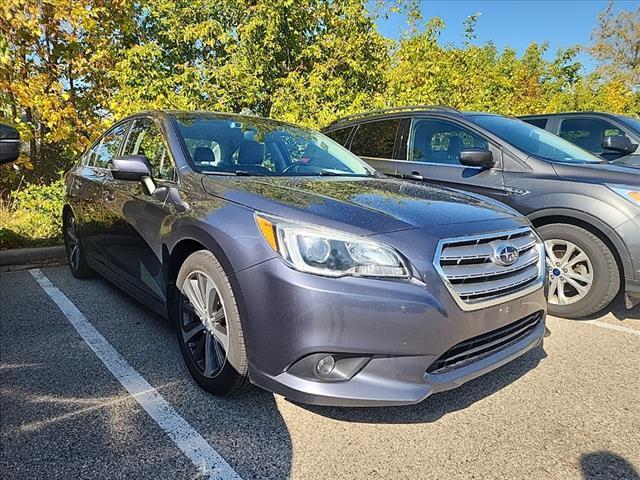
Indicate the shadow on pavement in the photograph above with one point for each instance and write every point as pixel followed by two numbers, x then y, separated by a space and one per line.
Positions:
pixel 440 404
pixel 607 465
pixel 618 309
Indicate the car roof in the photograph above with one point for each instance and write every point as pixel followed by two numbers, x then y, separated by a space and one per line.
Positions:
pixel 394 112
pixel 570 114
pixel 208 114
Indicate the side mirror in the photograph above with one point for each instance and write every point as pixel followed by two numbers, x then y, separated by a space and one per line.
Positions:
pixel 619 143
pixel 477 157
pixel 9 144
pixel 130 167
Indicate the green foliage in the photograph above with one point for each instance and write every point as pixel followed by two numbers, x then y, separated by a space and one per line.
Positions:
pixel 32 216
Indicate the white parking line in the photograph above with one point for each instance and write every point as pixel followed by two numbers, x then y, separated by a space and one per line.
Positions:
pixel 202 455
pixel 610 326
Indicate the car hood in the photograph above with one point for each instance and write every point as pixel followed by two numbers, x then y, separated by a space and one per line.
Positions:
pixel 368 205
pixel 627 161
pixel 599 173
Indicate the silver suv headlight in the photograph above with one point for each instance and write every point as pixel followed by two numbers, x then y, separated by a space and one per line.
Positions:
pixel 627 191
pixel 322 251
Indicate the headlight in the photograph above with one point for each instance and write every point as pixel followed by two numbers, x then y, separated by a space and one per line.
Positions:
pixel 630 193
pixel 331 253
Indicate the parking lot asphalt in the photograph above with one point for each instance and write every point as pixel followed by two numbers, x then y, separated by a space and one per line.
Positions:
pixel 568 410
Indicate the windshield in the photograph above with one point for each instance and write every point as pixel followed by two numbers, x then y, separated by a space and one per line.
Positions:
pixel 256 146
pixel 533 140
pixel 631 122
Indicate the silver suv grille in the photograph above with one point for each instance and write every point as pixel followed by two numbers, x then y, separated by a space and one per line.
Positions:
pixel 485 270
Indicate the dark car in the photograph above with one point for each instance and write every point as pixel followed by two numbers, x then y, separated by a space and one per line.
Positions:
pixel 586 210
pixel 281 257
pixel 612 137
pixel 9 144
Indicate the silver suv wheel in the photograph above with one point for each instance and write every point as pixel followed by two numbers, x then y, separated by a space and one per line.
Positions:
pixel 570 272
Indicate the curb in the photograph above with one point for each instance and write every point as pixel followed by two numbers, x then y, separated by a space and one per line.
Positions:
pixel 21 256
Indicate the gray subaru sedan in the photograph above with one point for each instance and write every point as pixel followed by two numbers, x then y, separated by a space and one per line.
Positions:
pixel 283 259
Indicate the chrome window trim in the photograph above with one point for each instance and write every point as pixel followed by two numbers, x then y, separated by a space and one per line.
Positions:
pixel 536 285
pixel 413 162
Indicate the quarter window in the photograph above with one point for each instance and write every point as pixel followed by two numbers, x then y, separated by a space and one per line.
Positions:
pixel 438 141
pixel 102 153
pixel 146 139
pixel 340 136
pixel 375 139
pixel 537 122
pixel 588 133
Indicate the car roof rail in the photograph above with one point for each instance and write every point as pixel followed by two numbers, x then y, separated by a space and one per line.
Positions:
pixel 408 108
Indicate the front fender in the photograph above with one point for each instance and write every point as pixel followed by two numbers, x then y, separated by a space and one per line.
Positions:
pixel 583 217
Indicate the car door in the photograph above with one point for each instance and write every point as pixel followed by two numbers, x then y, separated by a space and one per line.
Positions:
pixel 588 132
pixel 432 152
pixel 86 192
pixel 136 217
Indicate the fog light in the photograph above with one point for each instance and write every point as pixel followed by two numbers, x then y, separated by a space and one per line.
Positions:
pixel 326 365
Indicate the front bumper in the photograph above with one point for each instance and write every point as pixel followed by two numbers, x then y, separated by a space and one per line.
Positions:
pixel 403 326
pixel 629 233
pixel 632 293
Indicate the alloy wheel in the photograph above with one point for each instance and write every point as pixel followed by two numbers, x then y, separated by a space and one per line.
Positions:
pixel 203 324
pixel 73 243
pixel 570 272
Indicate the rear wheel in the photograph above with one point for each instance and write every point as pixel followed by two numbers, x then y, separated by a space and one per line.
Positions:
pixel 208 325
pixel 73 245
pixel 583 273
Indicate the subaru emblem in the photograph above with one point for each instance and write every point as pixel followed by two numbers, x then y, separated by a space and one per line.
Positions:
pixel 505 254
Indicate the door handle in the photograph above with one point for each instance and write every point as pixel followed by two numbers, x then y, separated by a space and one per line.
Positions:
pixel 108 196
pixel 416 176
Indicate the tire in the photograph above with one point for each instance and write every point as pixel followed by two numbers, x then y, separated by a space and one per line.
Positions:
pixel 73 245
pixel 217 364
pixel 590 259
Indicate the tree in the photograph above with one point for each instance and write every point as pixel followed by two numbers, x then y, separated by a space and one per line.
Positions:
pixel 616 45
pixel 55 57
pixel 299 60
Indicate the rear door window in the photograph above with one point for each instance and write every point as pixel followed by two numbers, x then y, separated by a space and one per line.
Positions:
pixel 588 133
pixel 375 139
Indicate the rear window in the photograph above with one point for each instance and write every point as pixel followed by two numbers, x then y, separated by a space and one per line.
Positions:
pixel 375 139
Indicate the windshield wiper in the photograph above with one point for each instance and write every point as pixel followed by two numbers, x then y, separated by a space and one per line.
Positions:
pixel 330 173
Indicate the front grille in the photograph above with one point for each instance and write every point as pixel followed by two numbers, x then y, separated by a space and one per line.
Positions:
pixel 475 348
pixel 476 278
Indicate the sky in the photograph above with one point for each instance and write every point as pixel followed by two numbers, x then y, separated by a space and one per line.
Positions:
pixel 516 23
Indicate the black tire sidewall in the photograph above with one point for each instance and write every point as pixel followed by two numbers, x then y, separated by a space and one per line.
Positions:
pixel 234 371
pixel 83 270
pixel 606 276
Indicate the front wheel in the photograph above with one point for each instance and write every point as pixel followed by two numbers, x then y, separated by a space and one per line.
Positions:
pixel 73 245
pixel 208 325
pixel 583 273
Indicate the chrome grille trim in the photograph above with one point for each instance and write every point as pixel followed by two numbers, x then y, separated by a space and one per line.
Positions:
pixel 475 281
